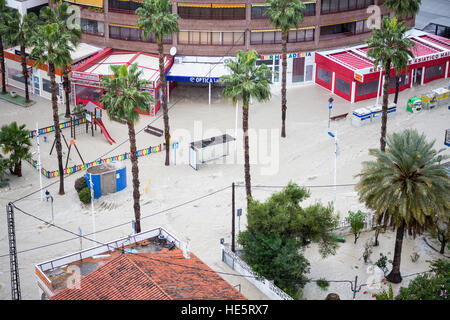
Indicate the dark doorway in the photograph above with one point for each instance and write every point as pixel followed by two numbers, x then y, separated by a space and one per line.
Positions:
pixel 298 69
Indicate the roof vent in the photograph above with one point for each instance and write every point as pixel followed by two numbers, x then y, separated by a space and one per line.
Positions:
pixel 161 239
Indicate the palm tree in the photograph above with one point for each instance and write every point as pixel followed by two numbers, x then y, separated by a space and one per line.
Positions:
pixel 284 15
pixel 388 47
pixel 402 9
pixel 156 19
pixel 60 15
pixel 406 185
pixel 5 15
pixel 19 32
pixel 125 93
pixel 51 47
pixel 15 141
pixel 246 80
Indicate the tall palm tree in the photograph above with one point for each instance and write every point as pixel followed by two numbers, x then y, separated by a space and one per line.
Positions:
pixel 389 48
pixel 5 15
pixel 402 9
pixel 14 140
pixel 156 19
pixel 406 185
pixel 51 47
pixel 60 15
pixel 125 93
pixel 284 15
pixel 19 32
pixel 245 81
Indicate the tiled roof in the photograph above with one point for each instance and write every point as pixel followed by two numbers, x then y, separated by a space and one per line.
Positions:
pixel 164 275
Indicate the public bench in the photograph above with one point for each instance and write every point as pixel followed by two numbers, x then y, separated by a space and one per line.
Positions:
pixel 154 131
pixel 339 116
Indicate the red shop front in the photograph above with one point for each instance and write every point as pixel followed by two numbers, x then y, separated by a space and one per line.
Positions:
pixel 86 77
pixel 350 74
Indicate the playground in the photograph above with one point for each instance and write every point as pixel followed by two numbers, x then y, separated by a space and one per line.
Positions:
pixel 306 157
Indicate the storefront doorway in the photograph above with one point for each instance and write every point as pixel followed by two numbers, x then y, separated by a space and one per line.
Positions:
pixel 417 76
pixel 298 69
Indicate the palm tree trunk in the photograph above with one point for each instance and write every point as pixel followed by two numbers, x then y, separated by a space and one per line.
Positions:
pixel 135 173
pixel 162 79
pixel 384 108
pixel 18 169
pixel 25 72
pixel 248 187
pixel 442 241
pixel 51 69
pixel 395 276
pixel 2 66
pixel 66 90
pixel 283 84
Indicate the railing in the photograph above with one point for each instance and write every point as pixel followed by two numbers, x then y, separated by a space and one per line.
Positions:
pixel 266 286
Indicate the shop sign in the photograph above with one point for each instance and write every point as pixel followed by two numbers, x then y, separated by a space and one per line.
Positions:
pixel 289 55
pixel 85 76
pixel 359 77
pixel 431 57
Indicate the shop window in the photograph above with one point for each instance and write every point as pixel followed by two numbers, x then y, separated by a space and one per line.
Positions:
pixel 343 86
pixel 367 88
pixel 323 75
pixel 46 86
pixel 434 71
pixel 404 78
pixel 88 93
pixel 17 75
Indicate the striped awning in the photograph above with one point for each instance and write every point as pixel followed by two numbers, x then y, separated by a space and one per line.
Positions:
pixel 123 26
pixel 90 3
pixel 279 30
pixel 333 24
pixel 198 5
pixel 228 5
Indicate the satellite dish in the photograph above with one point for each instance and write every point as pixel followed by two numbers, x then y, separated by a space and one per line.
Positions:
pixel 173 51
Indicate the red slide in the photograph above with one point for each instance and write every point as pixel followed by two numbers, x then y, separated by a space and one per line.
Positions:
pixel 104 131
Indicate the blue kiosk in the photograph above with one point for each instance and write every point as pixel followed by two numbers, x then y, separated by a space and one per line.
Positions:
pixel 107 178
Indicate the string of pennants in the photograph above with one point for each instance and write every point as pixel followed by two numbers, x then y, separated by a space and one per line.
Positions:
pixel 81 167
pixel 52 128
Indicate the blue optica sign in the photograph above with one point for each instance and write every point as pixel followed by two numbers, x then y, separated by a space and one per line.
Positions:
pixel 192 79
pixel 175 145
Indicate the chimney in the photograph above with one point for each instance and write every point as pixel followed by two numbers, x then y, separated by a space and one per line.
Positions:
pixel 186 252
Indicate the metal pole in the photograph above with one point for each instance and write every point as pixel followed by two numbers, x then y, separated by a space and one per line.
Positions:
pixel 379 85
pixel 209 94
pixel 354 289
pixel 232 217
pixel 53 217
pixel 330 106
pixel 92 204
pixel 39 160
pixel 335 168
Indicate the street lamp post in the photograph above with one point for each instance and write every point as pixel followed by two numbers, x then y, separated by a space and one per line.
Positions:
pixel 92 204
pixel 335 165
pixel 330 106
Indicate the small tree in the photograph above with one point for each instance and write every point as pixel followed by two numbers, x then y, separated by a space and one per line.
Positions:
pixel 4 165
pixel 14 141
pixel 368 246
pixel 441 230
pixel 356 221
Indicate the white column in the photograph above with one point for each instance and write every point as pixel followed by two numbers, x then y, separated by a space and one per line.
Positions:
pixel 332 82
pixel 168 92
pixel 413 75
pixel 353 92
pixel 236 126
pixel 379 86
pixel 446 70
pixel 209 93
pixel 423 76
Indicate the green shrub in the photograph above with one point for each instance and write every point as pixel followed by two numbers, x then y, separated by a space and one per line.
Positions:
pixel 80 184
pixel 323 284
pixel 85 195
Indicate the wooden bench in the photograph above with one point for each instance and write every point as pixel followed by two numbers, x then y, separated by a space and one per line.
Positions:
pixel 154 131
pixel 339 116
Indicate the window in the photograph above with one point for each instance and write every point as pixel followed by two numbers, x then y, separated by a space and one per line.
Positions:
pixel 17 75
pixel 127 6
pixel 344 29
pixel 133 34
pixel 46 86
pixel 343 86
pixel 301 35
pixel 324 75
pixel 403 79
pixel 258 12
pixel 310 9
pixel 367 88
pixel 208 12
pixel 434 71
pixel 211 38
pixel 92 27
pixel 333 6
pixel 88 93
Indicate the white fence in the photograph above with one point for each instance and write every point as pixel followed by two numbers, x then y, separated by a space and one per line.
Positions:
pixel 345 229
pixel 266 286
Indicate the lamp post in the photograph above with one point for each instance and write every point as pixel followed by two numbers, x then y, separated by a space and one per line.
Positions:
pixel 330 106
pixel 39 160
pixel 92 204
pixel 335 165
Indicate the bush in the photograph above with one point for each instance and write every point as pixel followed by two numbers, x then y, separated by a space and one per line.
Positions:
pixel 85 195
pixel 80 184
pixel 323 284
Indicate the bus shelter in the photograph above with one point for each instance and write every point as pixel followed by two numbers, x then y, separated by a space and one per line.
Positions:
pixel 208 149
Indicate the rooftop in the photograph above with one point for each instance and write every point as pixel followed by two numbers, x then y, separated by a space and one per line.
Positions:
pixel 149 265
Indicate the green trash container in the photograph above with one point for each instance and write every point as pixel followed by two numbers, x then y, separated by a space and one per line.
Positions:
pixel 340 239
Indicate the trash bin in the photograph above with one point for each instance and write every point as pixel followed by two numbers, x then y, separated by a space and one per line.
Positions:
pixel 361 117
pixel 429 100
pixel 414 104
pixel 443 96
pixel 376 112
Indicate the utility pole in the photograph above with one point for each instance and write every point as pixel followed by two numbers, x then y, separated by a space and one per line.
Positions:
pixel 232 217
pixel 13 262
pixel 335 164
pixel 330 106
pixel 39 160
